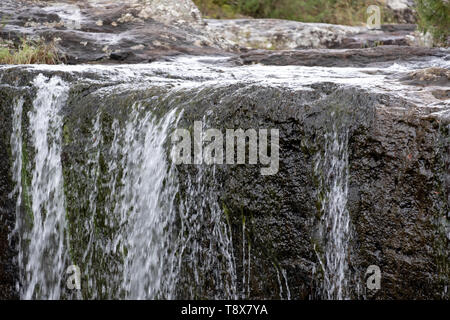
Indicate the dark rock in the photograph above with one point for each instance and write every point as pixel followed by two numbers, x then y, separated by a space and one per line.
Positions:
pixel 137 31
pixel 8 269
pixel 382 55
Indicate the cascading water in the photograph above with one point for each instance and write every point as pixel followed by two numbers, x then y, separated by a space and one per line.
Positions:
pixel 203 226
pixel 42 246
pixel 130 209
pixel 95 187
pixel 118 216
pixel 332 168
pixel 147 210
pixel 124 218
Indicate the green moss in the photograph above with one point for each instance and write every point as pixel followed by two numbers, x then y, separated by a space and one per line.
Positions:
pixel 226 211
pixel 67 139
pixel 82 172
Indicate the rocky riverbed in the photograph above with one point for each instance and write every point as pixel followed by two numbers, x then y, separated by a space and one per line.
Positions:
pixel 93 31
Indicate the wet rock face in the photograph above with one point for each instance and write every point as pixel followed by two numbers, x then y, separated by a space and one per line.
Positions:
pixel 398 203
pixel 8 270
pixel 398 168
pixel 398 163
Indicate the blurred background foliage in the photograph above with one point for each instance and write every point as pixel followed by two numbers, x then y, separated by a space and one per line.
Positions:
pixel 433 16
pixel 348 12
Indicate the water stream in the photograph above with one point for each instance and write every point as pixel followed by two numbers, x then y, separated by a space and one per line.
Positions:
pixel 127 229
pixel 332 168
pixel 42 247
pixel 113 204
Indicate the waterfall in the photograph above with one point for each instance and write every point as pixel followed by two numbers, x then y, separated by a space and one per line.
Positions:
pixel 332 168
pixel 147 210
pixel 117 210
pixel 123 241
pixel 210 272
pixel 161 242
pixel 94 190
pixel 42 254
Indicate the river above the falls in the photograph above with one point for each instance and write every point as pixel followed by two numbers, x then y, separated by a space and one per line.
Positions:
pixel 210 70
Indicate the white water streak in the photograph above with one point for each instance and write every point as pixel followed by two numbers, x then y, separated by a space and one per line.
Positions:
pixel 145 210
pixel 333 167
pixel 208 238
pixel 46 257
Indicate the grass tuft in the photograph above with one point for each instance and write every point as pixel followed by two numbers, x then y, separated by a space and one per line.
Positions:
pixel 29 52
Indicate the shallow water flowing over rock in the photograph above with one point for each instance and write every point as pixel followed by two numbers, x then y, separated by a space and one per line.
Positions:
pixel 90 181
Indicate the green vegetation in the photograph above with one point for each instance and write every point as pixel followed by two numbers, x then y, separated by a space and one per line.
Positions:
pixel 434 17
pixel 349 12
pixel 28 52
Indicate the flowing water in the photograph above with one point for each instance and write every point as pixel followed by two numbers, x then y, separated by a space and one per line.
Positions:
pixel 332 167
pixel 115 206
pixel 127 229
pixel 146 210
pixel 42 246
pixel 130 210
pixel 17 154
pixel 124 218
